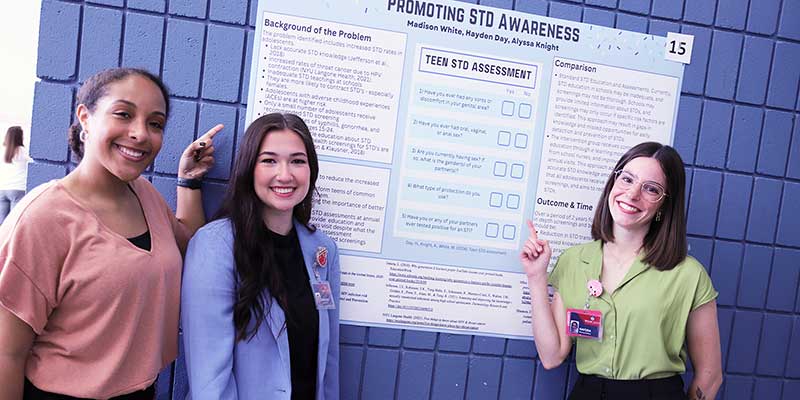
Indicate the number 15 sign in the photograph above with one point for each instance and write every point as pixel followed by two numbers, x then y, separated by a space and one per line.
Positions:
pixel 679 47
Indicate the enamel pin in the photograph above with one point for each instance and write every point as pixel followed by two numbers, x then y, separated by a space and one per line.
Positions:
pixel 595 288
pixel 322 256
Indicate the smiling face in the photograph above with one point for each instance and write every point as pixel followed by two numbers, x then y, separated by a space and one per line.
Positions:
pixel 124 133
pixel 629 209
pixel 281 174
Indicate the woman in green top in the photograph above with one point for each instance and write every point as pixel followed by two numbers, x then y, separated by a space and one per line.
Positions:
pixel 633 297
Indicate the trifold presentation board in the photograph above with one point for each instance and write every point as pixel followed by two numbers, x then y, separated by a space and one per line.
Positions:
pixel 441 127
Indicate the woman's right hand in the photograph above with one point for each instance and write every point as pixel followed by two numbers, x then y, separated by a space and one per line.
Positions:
pixel 535 254
pixel 198 158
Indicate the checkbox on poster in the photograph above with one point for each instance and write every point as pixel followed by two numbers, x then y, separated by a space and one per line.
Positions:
pixel 496 199
pixel 504 138
pixel 525 110
pixel 512 201
pixel 492 230
pixel 509 232
pixel 500 168
pixel 508 108
pixel 517 171
pixel 521 141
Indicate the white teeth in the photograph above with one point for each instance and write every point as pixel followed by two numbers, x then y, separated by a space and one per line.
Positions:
pixel 627 207
pixel 283 190
pixel 131 152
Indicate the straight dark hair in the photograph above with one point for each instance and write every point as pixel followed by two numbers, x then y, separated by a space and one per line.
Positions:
pixel 12 142
pixel 95 88
pixel 665 243
pixel 253 250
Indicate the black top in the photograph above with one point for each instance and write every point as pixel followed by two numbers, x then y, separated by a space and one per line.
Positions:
pixel 302 318
pixel 142 241
pixel 33 393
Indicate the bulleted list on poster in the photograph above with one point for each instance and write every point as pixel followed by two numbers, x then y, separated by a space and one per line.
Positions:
pixel 595 113
pixel 441 130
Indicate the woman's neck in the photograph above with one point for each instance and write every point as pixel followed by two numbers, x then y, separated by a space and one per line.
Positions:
pixel 278 222
pixel 626 242
pixel 92 182
pixel 630 238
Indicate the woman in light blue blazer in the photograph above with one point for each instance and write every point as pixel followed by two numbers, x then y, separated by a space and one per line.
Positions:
pixel 261 285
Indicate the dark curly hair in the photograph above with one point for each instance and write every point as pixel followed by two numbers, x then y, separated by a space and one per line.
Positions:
pixel 94 88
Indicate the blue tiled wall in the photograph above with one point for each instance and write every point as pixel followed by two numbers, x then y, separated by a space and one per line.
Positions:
pixel 738 130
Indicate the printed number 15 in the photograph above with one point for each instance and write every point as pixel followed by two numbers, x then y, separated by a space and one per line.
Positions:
pixel 681 47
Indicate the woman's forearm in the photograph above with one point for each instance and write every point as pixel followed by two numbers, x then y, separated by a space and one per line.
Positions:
pixel 545 330
pixel 12 376
pixel 190 208
pixel 16 338
pixel 705 385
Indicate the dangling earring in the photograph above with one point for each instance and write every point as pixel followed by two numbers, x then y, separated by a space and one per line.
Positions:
pixel 658 216
pixel 82 135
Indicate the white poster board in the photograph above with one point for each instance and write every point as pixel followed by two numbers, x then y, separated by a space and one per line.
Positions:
pixel 441 127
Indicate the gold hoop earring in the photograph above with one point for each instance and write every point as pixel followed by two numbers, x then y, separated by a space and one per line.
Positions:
pixel 82 135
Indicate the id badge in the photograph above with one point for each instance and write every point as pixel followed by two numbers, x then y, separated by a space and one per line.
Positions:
pixel 587 324
pixel 323 296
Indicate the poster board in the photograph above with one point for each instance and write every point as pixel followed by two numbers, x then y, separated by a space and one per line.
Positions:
pixel 441 127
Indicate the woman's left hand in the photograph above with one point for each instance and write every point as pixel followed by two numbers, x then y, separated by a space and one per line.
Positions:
pixel 198 158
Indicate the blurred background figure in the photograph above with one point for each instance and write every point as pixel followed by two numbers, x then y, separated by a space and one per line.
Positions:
pixel 19 30
pixel 13 170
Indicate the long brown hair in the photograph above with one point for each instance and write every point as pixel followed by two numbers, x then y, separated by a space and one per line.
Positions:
pixel 253 250
pixel 12 142
pixel 665 242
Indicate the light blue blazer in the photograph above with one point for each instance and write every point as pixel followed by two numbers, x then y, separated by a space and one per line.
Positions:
pixel 218 366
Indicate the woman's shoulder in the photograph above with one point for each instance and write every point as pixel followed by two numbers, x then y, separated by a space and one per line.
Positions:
pixel 582 251
pixel 45 211
pixel 218 230
pixel 21 155
pixel 689 267
pixel 315 233
pixel 145 188
pixel 45 201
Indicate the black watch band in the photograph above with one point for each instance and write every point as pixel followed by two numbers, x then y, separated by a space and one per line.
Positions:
pixel 190 183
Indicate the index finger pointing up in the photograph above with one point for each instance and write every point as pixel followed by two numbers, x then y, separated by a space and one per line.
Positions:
pixel 211 132
pixel 532 230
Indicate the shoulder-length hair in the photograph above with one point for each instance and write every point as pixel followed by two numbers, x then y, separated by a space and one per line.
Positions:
pixel 665 242
pixel 12 142
pixel 253 250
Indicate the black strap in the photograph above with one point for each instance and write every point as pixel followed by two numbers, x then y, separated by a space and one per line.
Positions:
pixel 34 393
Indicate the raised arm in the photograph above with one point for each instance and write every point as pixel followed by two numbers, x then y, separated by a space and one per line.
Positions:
pixel 16 338
pixel 196 161
pixel 549 319
pixel 702 336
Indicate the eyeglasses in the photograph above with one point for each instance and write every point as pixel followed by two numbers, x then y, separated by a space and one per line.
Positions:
pixel 651 191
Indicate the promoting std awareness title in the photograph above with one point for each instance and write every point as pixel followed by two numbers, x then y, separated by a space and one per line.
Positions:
pixel 484 18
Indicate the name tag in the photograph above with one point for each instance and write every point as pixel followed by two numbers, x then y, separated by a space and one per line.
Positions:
pixel 587 324
pixel 323 296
